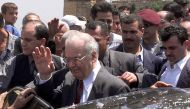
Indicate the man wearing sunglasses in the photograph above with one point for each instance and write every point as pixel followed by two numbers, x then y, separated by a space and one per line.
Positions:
pixel 150 39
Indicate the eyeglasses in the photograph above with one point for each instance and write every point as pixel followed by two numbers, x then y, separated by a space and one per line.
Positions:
pixel 74 59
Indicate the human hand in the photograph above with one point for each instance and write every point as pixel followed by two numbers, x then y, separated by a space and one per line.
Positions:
pixel 54 27
pixel 160 84
pixel 23 97
pixel 43 61
pixel 128 77
pixel 2 99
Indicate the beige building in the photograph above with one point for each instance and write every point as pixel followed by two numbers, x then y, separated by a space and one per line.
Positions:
pixel 82 7
pixel 78 7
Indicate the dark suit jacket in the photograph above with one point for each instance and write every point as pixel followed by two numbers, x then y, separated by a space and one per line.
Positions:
pixel 17 46
pixel 184 78
pixel 151 62
pixel 22 74
pixel 117 63
pixel 104 85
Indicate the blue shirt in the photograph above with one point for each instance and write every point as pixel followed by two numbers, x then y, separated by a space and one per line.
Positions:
pixel 13 30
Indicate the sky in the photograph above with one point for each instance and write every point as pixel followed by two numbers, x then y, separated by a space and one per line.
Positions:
pixel 46 9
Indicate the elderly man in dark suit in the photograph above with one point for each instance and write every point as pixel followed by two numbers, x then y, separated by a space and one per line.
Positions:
pixel 176 71
pixel 81 55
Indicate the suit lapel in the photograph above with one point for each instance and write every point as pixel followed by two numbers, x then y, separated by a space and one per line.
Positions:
pixel 69 93
pixel 184 78
pixel 96 91
pixel 162 71
pixel 105 59
pixel 146 58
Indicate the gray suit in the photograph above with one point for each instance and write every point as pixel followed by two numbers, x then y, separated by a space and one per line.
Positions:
pixel 118 62
pixel 104 85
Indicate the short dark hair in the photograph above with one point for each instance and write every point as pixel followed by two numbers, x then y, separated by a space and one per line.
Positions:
pixel 2 22
pixel 101 7
pixel 41 30
pixel 92 25
pixel 116 11
pixel 128 7
pixel 169 16
pixel 7 6
pixel 131 19
pixel 174 8
pixel 25 19
pixel 182 2
pixel 172 31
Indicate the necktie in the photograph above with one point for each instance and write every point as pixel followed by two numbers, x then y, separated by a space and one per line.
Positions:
pixel 79 92
pixel 139 60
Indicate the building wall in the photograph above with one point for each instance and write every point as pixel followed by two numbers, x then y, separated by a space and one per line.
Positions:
pixel 82 7
pixel 78 7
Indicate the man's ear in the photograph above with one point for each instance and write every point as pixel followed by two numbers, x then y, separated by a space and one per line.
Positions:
pixel 94 56
pixel 108 39
pixel 186 43
pixel 142 32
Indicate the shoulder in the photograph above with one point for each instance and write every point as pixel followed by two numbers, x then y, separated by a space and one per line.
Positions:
pixel 121 53
pixel 58 61
pixel 118 48
pixel 69 78
pixel 188 64
pixel 148 54
pixel 21 57
pixel 110 80
pixel 116 37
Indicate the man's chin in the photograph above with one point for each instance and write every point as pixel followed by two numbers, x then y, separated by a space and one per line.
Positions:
pixel 26 53
pixel 76 75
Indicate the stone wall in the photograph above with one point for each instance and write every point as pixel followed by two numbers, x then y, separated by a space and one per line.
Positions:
pixel 78 7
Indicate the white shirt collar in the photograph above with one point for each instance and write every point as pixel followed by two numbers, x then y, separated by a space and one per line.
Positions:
pixel 180 63
pixel 141 53
pixel 90 79
pixel 88 82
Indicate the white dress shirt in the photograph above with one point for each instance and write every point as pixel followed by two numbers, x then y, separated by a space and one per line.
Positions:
pixel 171 75
pixel 88 82
pixel 115 40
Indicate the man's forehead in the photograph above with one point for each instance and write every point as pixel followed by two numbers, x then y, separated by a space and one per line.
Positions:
pixel 30 25
pixel 12 10
pixel 75 43
pixel 171 41
pixel 186 24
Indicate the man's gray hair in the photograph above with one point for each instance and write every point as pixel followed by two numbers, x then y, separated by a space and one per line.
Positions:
pixel 90 43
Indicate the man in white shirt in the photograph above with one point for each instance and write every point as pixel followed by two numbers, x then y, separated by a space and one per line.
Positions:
pixel 103 11
pixel 176 71
pixel 81 56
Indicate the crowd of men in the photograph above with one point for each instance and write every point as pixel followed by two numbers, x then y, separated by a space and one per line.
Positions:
pixel 72 60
